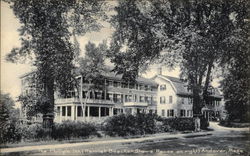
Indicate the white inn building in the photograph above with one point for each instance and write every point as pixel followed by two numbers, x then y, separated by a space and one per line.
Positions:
pixel 167 96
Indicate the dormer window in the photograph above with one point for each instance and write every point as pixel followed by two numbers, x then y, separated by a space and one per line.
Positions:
pixel 163 87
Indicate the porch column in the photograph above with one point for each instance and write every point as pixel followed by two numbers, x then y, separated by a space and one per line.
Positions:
pixel 73 112
pixel 76 112
pixel 99 111
pixel 66 112
pixel 60 114
pixel 105 90
pixel 124 98
pixel 111 111
pixel 88 111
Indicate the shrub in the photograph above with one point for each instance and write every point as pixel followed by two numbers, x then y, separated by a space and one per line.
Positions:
pixel 70 129
pixel 179 124
pixel 127 124
pixel 10 132
pixel 204 123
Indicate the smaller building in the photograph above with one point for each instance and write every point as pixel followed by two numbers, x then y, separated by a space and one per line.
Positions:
pixel 214 109
pixel 173 98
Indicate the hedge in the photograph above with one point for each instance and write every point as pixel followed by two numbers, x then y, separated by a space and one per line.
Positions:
pixel 69 129
pixel 15 132
pixel 140 124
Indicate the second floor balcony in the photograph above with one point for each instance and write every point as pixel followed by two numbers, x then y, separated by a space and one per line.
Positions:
pixel 77 100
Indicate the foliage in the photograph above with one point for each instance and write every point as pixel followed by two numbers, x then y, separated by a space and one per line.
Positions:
pixel 235 87
pixel 36 132
pixel 92 66
pixel 121 125
pixel 179 124
pixel 204 123
pixel 8 120
pixel 91 69
pixel 235 84
pixel 47 27
pixel 69 129
pixel 197 35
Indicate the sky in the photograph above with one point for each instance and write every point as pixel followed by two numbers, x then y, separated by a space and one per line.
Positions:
pixel 10 72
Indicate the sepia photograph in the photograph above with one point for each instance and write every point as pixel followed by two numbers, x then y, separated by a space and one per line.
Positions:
pixel 125 77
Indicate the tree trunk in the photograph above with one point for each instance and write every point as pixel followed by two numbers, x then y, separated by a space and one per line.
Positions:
pixel 196 101
pixel 205 90
pixel 48 117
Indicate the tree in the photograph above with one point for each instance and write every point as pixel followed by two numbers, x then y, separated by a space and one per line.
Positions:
pixel 47 27
pixel 236 82
pixel 91 69
pixel 8 118
pixel 192 34
pixel 7 109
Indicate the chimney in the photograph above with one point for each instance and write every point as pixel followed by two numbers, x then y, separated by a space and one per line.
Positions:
pixel 159 71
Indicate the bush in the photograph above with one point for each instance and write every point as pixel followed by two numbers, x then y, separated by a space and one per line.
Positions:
pixel 69 129
pixel 10 132
pixel 34 132
pixel 204 123
pixel 179 124
pixel 127 124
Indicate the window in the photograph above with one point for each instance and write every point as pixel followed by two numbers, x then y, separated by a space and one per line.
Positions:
pixel 98 95
pixel 182 100
pixel 93 111
pixel 58 111
pixel 68 110
pixel 104 111
pixel 110 83
pixel 63 110
pixel 183 112
pixel 135 98
pixel 142 98
pixel 217 113
pixel 162 100
pixel 131 86
pixel 130 98
pixel 109 96
pixel 79 111
pixel 116 84
pixel 124 85
pixel 141 87
pixel 115 111
pixel 115 97
pixel 163 87
pixel 190 100
pixel 126 98
pixel 163 112
pixel 170 113
pixel 147 99
pixel 189 113
pixel 170 99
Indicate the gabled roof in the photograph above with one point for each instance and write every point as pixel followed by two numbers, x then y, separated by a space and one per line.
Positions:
pixel 114 76
pixel 27 74
pixel 181 86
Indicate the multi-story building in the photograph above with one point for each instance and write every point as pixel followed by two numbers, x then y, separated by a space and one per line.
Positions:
pixel 118 97
pixel 167 96
pixel 29 88
pixel 173 98
pixel 214 109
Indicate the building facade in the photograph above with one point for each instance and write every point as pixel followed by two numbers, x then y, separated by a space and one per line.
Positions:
pixel 173 98
pixel 117 97
pixel 167 96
